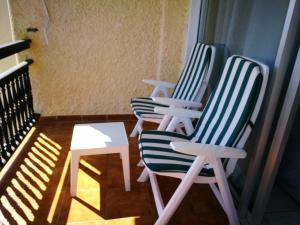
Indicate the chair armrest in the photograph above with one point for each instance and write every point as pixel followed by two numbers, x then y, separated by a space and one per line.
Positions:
pixel 207 150
pixel 176 102
pixel 178 112
pixel 159 83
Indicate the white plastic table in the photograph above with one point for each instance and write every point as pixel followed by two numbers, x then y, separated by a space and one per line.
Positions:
pixel 99 138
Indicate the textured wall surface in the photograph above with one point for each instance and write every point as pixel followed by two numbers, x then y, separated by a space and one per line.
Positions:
pixel 99 51
pixel 5 35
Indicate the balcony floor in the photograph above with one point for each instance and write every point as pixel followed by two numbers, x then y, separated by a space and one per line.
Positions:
pixel 36 190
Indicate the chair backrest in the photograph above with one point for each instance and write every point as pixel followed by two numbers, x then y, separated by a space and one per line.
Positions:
pixel 233 107
pixel 196 73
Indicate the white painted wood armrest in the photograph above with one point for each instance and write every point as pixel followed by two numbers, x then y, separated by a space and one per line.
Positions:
pixel 176 102
pixel 214 151
pixel 178 112
pixel 159 83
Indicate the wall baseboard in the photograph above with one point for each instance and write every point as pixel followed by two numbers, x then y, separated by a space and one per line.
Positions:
pixel 88 118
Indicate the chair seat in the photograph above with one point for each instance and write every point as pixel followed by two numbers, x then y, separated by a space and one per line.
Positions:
pixel 157 154
pixel 144 108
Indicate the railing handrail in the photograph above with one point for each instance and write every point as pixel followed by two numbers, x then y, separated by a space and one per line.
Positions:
pixel 15 68
pixel 16 104
pixel 14 47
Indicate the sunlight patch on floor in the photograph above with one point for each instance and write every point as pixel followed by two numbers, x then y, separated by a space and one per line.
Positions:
pixel 46 151
pixel 90 167
pixel 11 210
pixel 123 221
pixel 85 207
pixel 51 141
pixel 24 192
pixel 62 179
pixel 30 199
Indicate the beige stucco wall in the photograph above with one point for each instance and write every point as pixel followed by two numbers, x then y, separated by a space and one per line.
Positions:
pixel 5 35
pixel 98 51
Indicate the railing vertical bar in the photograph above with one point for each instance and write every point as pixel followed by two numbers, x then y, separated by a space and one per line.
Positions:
pixel 17 106
pixel 29 96
pixel 3 133
pixel 2 160
pixel 12 114
pixel 16 109
pixel 4 126
pixel 26 99
pixel 7 117
pixel 22 103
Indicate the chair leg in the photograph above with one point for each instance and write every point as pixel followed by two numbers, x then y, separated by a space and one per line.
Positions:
pixel 165 92
pixel 225 193
pixel 74 172
pixel 126 168
pixel 164 122
pixel 179 129
pixel 144 176
pixel 156 192
pixel 155 92
pixel 181 191
pixel 137 129
pixel 188 126
pixel 173 124
pixel 140 163
pixel 217 195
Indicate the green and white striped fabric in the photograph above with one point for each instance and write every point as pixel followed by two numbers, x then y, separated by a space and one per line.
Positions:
pixel 223 121
pixel 188 86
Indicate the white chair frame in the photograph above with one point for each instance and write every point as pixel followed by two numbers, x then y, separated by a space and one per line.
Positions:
pixel 163 87
pixel 204 153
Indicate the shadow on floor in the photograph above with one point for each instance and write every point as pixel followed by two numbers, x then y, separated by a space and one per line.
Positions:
pixel 36 189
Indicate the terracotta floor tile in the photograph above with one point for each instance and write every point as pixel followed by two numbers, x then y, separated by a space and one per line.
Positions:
pixel 94 118
pixel 115 172
pixel 22 207
pixel 86 206
pixel 137 202
pixel 49 208
pixel 36 190
pixel 116 117
pixel 59 179
pixel 115 175
pixel 95 222
pixel 131 221
pixel 88 180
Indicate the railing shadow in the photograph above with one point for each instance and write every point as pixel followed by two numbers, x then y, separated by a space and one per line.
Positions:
pixel 34 184
pixel 36 189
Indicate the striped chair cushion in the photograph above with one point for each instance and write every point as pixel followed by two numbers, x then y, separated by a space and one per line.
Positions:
pixel 222 122
pixel 188 86
pixel 144 108
pixel 194 72
pixel 157 154
pixel 230 106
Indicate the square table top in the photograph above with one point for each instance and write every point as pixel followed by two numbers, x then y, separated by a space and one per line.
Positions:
pixel 98 136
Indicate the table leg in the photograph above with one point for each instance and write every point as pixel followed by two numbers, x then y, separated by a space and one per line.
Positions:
pixel 74 172
pixel 126 168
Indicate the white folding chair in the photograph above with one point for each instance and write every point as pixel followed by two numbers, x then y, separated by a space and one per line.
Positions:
pixel 187 93
pixel 210 153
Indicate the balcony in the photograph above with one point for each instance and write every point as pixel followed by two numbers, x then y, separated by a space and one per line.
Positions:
pixel 74 62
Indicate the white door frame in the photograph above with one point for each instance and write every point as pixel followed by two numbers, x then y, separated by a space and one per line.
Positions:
pixel 193 26
pixel 284 52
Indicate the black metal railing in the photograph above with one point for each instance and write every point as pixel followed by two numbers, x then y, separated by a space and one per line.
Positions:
pixel 16 105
